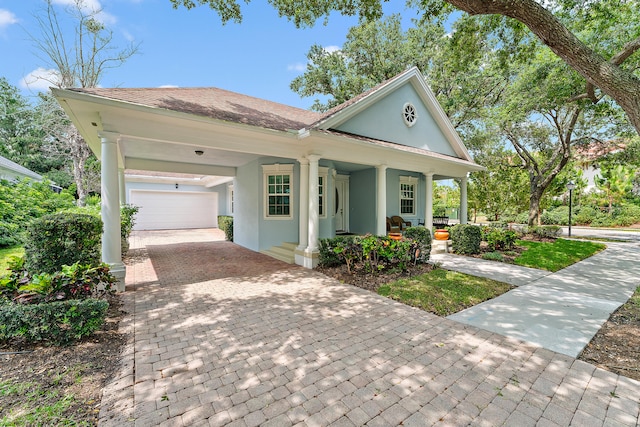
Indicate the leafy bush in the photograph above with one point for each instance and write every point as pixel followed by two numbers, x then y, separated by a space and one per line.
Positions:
pixel 422 236
pixel 465 238
pixel 127 219
pixel 72 282
pixel 225 223
pixel 8 234
pixel 546 231
pixel 559 215
pixel 369 253
pixel 500 239
pixel 58 322
pixel 62 239
pixel 327 256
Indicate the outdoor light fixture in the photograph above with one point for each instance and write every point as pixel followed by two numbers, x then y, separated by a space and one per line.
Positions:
pixel 570 186
pixel 199 152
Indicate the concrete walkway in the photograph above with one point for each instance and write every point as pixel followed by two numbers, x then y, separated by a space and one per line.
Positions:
pixel 220 335
pixel 561 311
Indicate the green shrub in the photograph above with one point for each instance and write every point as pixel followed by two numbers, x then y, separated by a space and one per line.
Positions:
pixel 556 216
pixel 546 231
pixel 127 219
pixel 8 234
pixel 585 215
pixel 465 238
pixel 62 239
pixel 225 223
pixel 327 256
pixel 500 239
pixel 422 236
pixel 59 322
pixel 72 282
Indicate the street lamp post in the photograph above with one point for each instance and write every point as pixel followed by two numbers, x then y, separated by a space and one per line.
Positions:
pixel 570 186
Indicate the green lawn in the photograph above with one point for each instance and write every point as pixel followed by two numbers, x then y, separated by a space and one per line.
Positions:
pixel 443 292
pixel 5 256
pixel 557 255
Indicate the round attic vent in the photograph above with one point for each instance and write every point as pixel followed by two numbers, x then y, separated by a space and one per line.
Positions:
pixel 409 114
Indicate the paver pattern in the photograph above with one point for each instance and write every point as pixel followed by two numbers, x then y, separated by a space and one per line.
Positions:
pixel 224 336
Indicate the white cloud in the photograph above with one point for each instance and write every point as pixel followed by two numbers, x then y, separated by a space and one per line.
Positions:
pixel 7 18
pixel 331 49
pixel 299 67
pixel 90 7
pixel 40 79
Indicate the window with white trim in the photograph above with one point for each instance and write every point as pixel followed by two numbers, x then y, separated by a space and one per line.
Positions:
pixel 322 191
pixel 278 190
pixel 408 187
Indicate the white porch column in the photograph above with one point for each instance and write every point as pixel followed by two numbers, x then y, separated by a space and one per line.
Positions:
pixel 428 205
pixel 311 253
pixel 463 200
pixel 303 228
pixel 110 210
pixel 123 194
pixel 381 208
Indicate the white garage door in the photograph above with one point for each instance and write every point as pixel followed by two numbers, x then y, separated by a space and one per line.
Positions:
pixel 172 210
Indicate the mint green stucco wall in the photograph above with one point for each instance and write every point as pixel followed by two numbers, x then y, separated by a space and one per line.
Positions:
pixel 384 121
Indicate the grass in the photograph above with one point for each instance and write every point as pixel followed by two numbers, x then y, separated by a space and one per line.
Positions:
pixel 557 255
pixel 5 256
pixel 39 407
pixel 443 292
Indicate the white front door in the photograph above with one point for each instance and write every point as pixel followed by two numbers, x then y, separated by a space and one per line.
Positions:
pixel 341 203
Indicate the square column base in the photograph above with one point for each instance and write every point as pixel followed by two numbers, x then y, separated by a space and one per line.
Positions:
pixel 440 246
pixel 119 271
pixel 306 258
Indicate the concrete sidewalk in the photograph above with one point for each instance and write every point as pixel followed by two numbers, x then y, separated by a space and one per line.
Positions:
pixel 560 311
pixel 223 336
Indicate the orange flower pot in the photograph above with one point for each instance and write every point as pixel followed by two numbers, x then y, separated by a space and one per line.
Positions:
pixel 441 235
pixel 395 236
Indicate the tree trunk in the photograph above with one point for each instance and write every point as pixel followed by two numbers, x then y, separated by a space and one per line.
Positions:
pixel 534 207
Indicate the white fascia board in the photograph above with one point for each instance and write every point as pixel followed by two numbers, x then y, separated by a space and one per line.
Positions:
pixel 179 167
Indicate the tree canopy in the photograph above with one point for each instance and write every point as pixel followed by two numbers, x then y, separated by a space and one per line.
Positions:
pixel 609 67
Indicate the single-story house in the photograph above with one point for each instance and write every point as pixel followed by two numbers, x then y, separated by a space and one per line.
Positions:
pixel 11 171
pixel 293 175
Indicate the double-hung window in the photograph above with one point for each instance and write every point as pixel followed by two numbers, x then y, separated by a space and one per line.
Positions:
pixel 408 188
pixel 322 191
pixel 278 182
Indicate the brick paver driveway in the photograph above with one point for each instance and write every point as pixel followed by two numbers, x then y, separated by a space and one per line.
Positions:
pixel 224 336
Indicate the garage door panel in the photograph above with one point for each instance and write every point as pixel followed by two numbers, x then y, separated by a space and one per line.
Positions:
pixel 163 210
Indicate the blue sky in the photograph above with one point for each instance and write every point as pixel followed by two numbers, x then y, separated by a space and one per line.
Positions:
pixel 187 48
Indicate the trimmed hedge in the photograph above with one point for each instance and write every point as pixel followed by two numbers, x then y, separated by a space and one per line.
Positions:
pixel 225 223
pixel 58 322
pixel 62 239
pixel 546 231
pixel 465 238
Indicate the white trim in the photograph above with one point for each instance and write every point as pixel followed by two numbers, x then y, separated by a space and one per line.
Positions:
pixel 271 170
pixel 409 114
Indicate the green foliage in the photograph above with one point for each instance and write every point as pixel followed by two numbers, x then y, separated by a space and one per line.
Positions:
pixel 499 239
pixel 371 254
pixel 225 223
pixel 26 200
pixel 327 256
pixel 71 282
pixel 465 238
pixel 422 236
pixel 557 255
pixel 62 239
pixel 443 292
pixel 127 219
pixel 8 234
pixel 59 322
pixel 493 256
